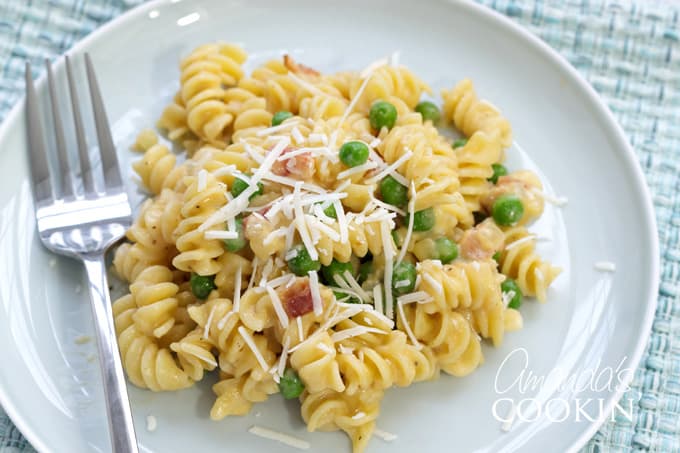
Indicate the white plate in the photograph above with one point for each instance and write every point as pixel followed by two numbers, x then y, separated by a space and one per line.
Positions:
pixel 50 385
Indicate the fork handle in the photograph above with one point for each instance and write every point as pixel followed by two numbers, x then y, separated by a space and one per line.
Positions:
pixel 121 428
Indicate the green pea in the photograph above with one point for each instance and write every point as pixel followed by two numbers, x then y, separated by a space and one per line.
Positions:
pixel 509 286
pixel 423 220
pixel 497 257
pixel 459 143
pixel 445 250
pixel 302 263
pixel 365 270
pixel 392 192
pixel 382 114
pixel 202 285
pixel 403 272
pixel 234 245
pixel 429 111
pixel 335 268
pixel 507 210
pixel 498 171
pixel 290 384
pixel 354 153
pixel 239 185
pixel 396 237
pixel 330 212
pixel 281 116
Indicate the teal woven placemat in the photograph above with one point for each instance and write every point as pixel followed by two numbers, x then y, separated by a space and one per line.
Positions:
pixel 628 51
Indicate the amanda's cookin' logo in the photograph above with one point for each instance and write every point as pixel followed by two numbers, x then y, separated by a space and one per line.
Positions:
pixel 597 379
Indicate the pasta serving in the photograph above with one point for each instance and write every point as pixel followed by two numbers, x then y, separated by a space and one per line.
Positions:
pixel 322 239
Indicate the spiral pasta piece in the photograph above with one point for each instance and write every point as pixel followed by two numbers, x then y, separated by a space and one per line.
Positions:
pixel 174 119
pixel 520 262
pixel 388 81
pixel 474 167
pixel 455 346
pixel 154 293
pixel 235 396
pixel 251 116
pixel 196 253
pixel 230 264
pixel 203 74
pixel 158 170
pixel 315 363
pixel 470 114
pixel 151 235
pixel 391 362
pixel 322 107
pixel 194 354
pixel 329 410
pixel 235 357
pixel 471 287
pixel 146 363
pixel 432 168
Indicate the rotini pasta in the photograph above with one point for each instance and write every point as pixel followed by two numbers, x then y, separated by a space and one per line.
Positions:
pixel 323 239
pixel 470 114
pixel 519 261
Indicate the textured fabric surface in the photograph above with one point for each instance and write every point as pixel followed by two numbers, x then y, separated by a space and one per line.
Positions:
pixel 628 51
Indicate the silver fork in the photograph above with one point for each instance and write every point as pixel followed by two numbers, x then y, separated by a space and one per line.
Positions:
pixel 83 225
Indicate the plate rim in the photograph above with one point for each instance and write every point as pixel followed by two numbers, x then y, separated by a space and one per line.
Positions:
pixel 624 149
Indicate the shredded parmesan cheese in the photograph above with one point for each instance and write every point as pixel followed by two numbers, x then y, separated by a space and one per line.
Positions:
pixel 297 136
pixel 605 266
pixel 202 180
pixel 219 234
pixel 377 298
pixel 278 308
pixel 301 334
pixel 411 221
pixel 353 332
pixel 384 435
pixel 433 283
pixel 389 266
pixel 358 169
pixel 151 423
pixel 418 296
pixel 316 294
pixel 280 127
pixel 284 357
pixel 507 297
pixel 240 203
pixel 407 328
pixel 391 169
pixel 557 201
pixel 349 278
pixel 253 347
pixel 279 437
pixel 206 329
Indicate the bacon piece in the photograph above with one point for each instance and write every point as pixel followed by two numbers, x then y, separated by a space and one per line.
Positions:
pixel 301 166
pixel 482 241
pixel 298 68
pixel 297 300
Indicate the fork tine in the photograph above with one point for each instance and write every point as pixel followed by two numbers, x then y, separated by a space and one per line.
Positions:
pixel 112 178
pixel 66 179
pixel 85 165
pixel 40 172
